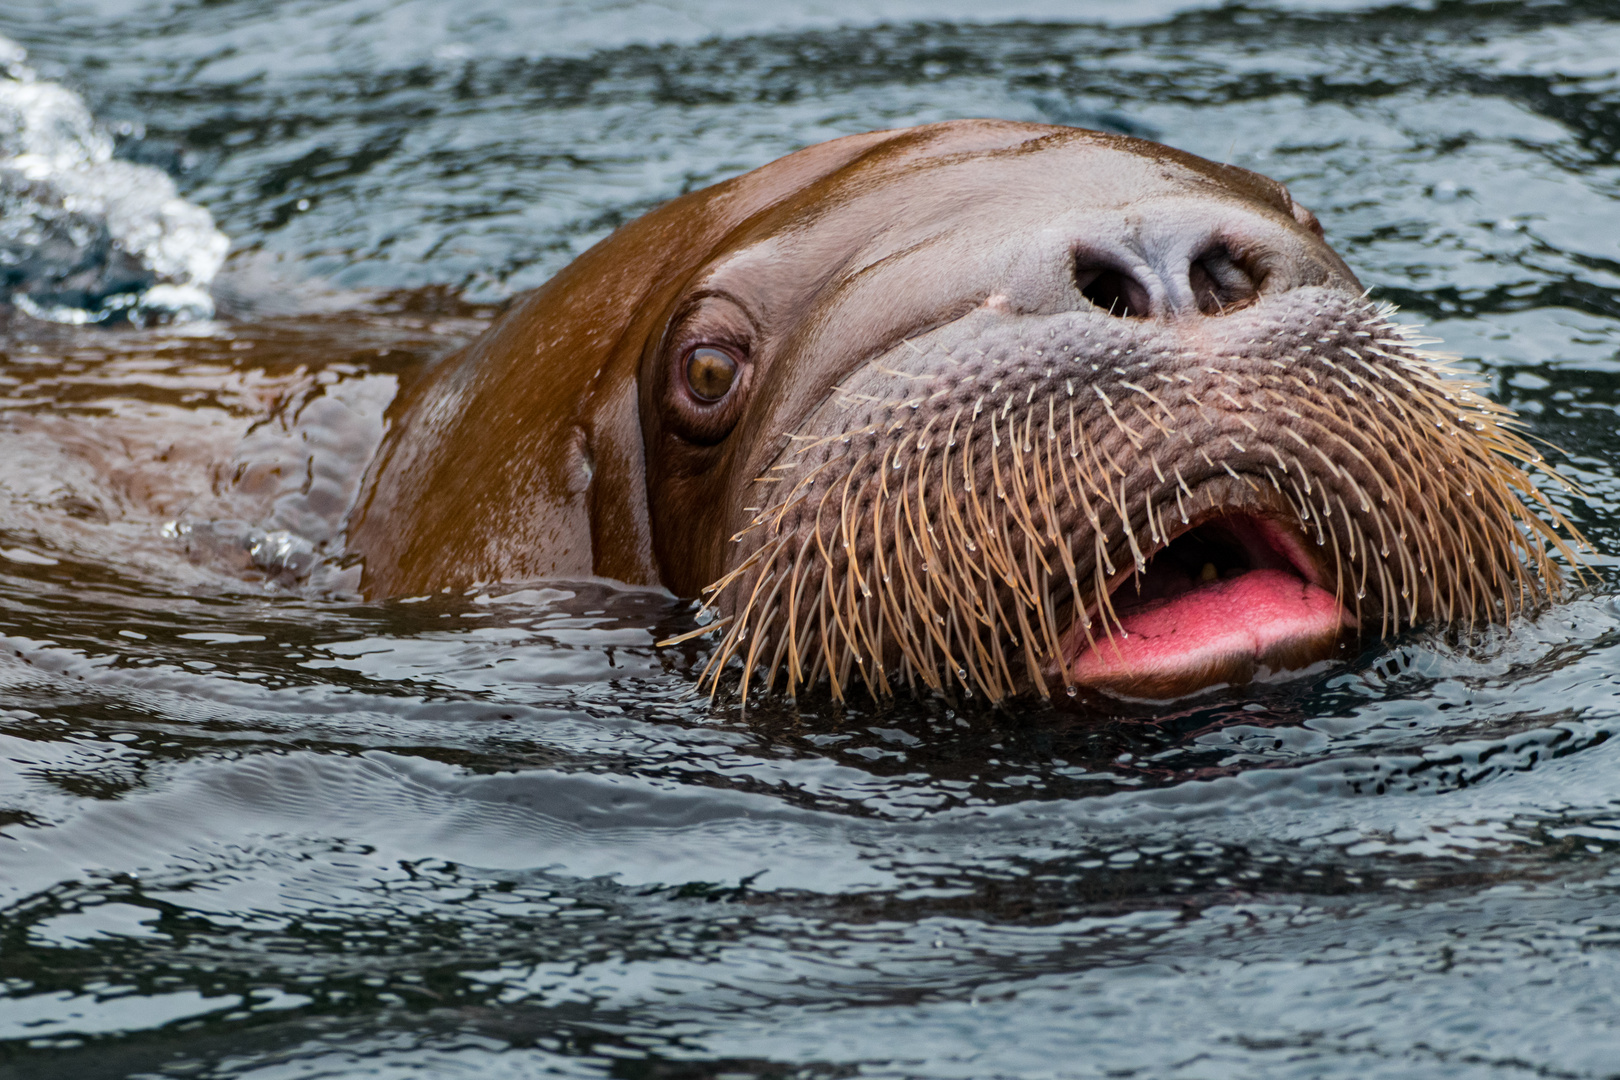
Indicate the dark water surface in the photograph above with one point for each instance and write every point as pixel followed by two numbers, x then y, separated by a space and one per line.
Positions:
pixel 249 830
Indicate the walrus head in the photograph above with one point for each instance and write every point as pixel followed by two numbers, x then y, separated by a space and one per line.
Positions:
pixel 990 408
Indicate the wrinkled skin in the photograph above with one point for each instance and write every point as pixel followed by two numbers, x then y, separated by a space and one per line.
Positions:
pixel 886 300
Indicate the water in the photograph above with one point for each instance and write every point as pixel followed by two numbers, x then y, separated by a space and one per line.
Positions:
pixel 85 238
pixel 253 829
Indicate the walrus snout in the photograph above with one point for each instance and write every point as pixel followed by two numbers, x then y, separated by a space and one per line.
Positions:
pixel 1146 506
pixel 1214 281
pixel 1179 258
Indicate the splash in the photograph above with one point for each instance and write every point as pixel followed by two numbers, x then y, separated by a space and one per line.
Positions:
pixel 85 238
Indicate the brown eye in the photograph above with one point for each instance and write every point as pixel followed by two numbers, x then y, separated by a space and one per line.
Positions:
pixel 710 373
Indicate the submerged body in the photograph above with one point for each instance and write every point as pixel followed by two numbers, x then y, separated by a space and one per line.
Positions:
pixel 980 406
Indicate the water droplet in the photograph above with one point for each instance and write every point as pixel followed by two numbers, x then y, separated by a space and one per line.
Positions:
pixel 1072 690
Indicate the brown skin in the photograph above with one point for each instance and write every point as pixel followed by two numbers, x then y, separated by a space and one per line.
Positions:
pixel 567 441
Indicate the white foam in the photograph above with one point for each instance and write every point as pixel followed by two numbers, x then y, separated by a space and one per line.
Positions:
pixel 83 237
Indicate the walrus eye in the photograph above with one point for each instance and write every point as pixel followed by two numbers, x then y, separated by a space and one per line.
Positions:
pixel 710 372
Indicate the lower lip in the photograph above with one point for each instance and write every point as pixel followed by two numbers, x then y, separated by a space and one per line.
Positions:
pixel 1225 632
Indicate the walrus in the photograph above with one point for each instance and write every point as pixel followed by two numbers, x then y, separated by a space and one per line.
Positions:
pixel 979 407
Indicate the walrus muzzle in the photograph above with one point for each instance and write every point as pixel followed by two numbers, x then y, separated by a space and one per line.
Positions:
pixel 1085 499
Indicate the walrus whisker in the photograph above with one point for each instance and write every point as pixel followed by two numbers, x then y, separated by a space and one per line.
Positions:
pixel 924 590
pixel 737 633
pixel 783 643
pixel 795 674
pixel 846 529
pixel 1349 524
pixel 1130 533
pixel 943 558
pixel 708 628
pixel 890 604
pixel 1361 581
pixel 822 596
pixel 750 665
pixel 1390 616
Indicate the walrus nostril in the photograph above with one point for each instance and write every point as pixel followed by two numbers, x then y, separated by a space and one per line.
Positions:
pixel 1114 291
pixel 1220 282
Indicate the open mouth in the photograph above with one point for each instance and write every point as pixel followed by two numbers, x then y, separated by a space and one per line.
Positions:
pixel 1232 598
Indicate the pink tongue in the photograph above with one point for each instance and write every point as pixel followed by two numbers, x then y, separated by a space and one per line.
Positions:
pixel 1220 632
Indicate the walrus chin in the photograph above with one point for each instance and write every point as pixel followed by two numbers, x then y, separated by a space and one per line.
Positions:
pixel 961 515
